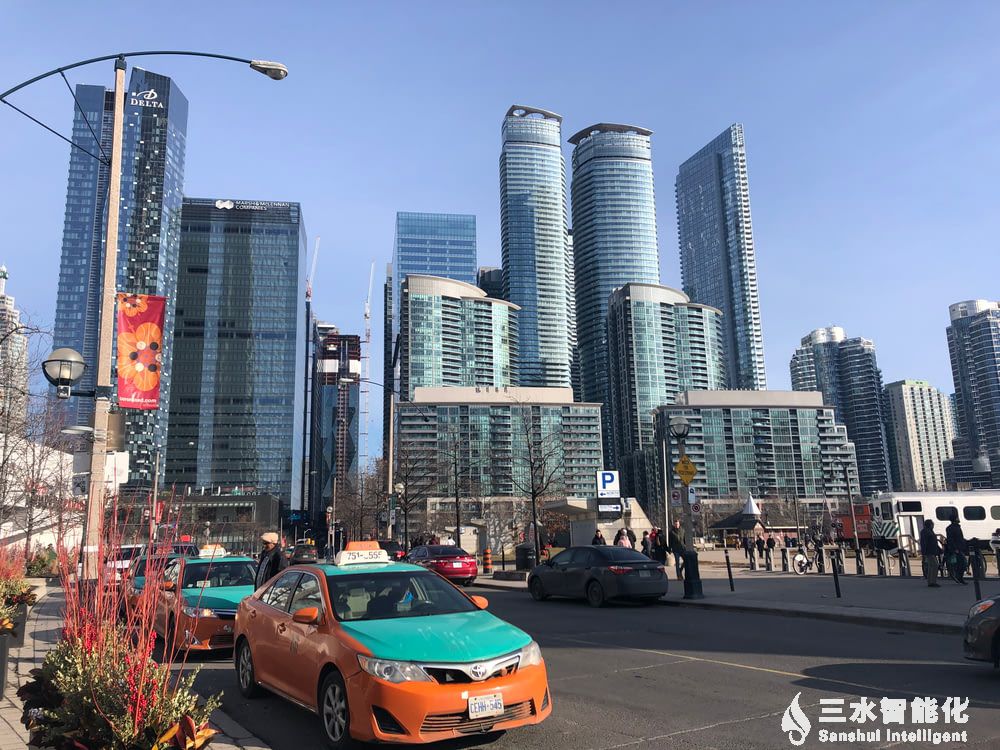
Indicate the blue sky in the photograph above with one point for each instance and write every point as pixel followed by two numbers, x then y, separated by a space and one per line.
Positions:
pixel 871 135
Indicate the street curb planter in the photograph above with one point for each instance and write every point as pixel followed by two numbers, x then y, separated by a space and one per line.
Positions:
pixel 20 626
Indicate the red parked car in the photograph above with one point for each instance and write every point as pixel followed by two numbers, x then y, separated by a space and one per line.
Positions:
pixel 454 563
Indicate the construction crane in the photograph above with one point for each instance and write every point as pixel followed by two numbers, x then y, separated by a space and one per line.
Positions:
pixel 312 272
pixel 365 375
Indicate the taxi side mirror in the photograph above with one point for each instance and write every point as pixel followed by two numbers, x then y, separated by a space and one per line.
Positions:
pixel 306 616
pixel 169 585
pixel 481 601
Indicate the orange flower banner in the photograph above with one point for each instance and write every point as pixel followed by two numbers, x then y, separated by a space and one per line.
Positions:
pixel 140 350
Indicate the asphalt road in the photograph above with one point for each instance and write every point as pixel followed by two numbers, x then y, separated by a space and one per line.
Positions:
pixel 661 676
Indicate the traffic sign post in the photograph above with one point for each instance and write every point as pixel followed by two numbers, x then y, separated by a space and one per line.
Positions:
pixel 685 469
pixel 608 485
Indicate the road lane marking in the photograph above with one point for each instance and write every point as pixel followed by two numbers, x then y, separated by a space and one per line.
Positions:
pixel 767 670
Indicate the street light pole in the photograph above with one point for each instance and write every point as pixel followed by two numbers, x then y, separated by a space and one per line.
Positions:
pixel 679 428
pixel 850 504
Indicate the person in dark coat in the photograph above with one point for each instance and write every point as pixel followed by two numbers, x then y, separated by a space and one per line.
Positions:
pixel 678 545
pixel 598 538
pixel 271 561
pixel 631 537
pixel 760 546
pixel 930 550
pixel 646 546
pixel 747 547
pixel 956 548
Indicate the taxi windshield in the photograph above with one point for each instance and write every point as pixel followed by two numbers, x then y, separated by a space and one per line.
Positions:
pixel 217 574
pixel 386 596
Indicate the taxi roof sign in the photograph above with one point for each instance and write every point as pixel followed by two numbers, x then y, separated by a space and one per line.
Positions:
pixel 362 556
pixel 368 545
pixel 212 550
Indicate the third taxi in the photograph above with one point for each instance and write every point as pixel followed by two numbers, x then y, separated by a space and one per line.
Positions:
pixel 387 652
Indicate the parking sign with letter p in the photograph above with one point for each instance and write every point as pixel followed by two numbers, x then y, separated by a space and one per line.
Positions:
pixel 608 484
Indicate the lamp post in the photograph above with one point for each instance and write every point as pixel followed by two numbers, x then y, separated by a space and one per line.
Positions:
pixel 103 389
pixel 679 429
pixel 850 504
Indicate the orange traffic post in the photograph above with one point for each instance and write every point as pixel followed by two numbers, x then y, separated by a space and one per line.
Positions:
pixel 488 561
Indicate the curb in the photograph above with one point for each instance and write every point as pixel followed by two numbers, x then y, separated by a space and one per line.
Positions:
pixel 854 619
pixel 498 587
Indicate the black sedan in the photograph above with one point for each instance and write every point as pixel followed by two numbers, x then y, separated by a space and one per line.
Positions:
pixel 304 554
pixel 599 574
pixel 982 631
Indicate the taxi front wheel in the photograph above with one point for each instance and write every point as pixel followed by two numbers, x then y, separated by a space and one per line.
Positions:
pixel 334 712
pixel 245 671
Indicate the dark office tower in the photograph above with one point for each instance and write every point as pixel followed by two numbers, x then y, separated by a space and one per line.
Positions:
pixel 149 235
pixel 237 402
pixel 533 243
pixel 614 242
pixel 846 371
pixel 718 261
pixel 974 346
pixel 490 280
pixel 333 455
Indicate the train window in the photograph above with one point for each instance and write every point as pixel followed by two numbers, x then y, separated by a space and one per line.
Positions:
pixel 974 513
pixel 910 506
pixel 944 513
pixel 887 510
pixel 995 512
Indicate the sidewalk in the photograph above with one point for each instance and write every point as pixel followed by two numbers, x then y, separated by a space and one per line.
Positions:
pixel 43 629
pixel 902 603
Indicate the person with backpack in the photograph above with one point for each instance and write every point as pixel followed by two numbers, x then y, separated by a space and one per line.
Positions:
pixel 930 551
pixel 956 549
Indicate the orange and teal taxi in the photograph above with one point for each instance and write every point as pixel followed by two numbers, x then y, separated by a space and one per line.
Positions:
pixel 387 652
pixel 196 607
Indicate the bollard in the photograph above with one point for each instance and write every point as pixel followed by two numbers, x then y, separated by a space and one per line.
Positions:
pixel 784 559
pixel 904 564
pixel 487 561
pixel 503 557
pixel 996 552
pixel 753 561
pixel 859 562
pixel 820 560
pixel 692 576
pixel 768 562
pixel 837 556
pixel 975 587
pixel 880 561
pixel 836 576
pixel 978 562
pixel 729 570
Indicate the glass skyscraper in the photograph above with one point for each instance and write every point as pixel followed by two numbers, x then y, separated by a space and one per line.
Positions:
pixel 847 373
pixel 718 261
pixel 237 397
pixel 614 242
pixel 153 150
pixel 535 251
pixel 452 334
pixel 659 345
pixel 974 346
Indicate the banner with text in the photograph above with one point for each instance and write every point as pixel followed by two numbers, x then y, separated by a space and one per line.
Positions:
pixel 140 350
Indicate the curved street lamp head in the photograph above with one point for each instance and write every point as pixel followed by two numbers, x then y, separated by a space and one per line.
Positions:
pixel 273 70
pixel 679 427
pixel 64 368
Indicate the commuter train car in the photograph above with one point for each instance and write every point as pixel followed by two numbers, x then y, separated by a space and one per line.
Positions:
pixel 899 516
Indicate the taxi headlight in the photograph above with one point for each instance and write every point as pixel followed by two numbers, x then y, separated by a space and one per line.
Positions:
pixel 979 607
pixel 197 612
pixel 531 655
pixel 393 671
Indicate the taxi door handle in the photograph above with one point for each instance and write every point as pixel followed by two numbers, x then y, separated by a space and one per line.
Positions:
pixel 281 627
pixel 253 614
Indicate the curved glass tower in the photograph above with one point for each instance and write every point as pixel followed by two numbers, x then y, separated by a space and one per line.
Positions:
pixel 614 241
pixel 534 246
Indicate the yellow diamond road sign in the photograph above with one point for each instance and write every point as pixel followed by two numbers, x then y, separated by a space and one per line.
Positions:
pixel 685 469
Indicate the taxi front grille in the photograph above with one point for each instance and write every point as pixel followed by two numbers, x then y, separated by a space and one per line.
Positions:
pixel 463 724
pixel 451 675
pixel 221 639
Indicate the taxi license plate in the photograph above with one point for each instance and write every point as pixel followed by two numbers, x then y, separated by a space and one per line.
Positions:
pixel 456 565
pixel 644 574
pixel 481 706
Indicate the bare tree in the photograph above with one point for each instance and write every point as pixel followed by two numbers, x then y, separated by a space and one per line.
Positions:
pixel 416 475
pixel 537 465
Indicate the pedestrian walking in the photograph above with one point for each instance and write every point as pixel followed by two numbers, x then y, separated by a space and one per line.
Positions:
pixel 661 546
pixel 271 561
pixel 930 550
pixel 759 544
pixel 647 548
pixel 598 538
pixel 678 546
pixel 956 549
pixel 631 537
pixel 623 541
pixel 747 547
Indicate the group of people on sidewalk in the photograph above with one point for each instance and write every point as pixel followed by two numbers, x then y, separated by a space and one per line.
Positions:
pixel 655 544
pixel 955 551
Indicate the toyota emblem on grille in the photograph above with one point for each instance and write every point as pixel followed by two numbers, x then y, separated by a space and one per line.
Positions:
pixel 478 671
